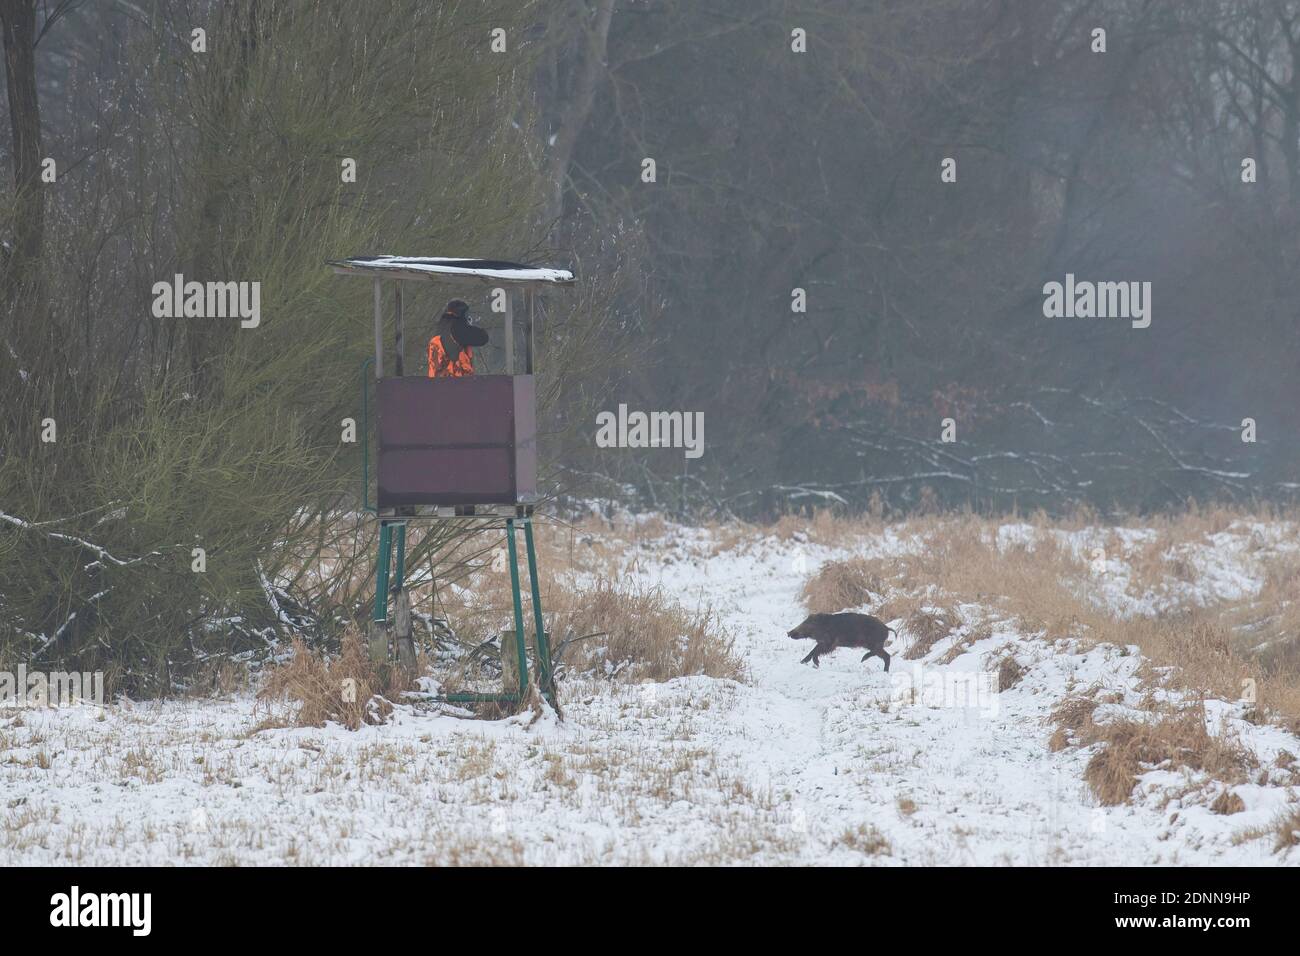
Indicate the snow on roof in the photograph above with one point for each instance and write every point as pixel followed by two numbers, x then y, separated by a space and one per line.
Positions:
pixel 428 267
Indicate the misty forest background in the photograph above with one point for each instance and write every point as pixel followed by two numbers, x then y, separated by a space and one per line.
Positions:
pixel 776 170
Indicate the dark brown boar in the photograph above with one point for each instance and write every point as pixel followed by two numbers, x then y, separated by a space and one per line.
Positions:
pixel 844 630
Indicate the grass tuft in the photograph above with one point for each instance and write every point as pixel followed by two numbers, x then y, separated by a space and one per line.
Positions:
pixel 639 633
pixel 1179 741
pixel 928 628
pixel 841 585
pixel 348 689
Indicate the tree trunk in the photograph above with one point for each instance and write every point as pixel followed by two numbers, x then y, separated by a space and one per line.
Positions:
pixel 25 335
pixel 18 18
pixel 573 115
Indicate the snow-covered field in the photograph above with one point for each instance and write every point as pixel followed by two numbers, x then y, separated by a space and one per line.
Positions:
pixel 844 764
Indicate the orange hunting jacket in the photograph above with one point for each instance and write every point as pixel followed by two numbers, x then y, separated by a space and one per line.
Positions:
pixel 440 365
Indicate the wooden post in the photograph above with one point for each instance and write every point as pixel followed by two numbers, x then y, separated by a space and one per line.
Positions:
pixel 402 636
pixel 510 334
pixel 400 334
pixel 509 663
pixel 379 329
pixel 377 642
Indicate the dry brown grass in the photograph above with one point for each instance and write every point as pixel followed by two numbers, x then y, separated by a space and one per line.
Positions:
pixel 320 686
pixel 981 633
pixel 1207 657
pixel 730 537
pixel 1074 714
pixel 825 526
pixel 1227 803
pixel 838 585
pixel 864 839
pixel 1059 740
pixel 638 633
pixel 1157 561
pixel 928 628
pixel 1203 652
pixel 1267 633
pixel 961 561
pixel 900 606
pixel 1128 748
pixel 1286 830
pixel 622 631
pixel 1177 741
pixel 612 628
pixel 1009 671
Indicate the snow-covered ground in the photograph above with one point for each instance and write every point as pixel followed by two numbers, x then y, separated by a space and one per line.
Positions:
pixel 842 764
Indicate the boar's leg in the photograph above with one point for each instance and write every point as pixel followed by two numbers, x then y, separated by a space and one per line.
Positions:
pixel 882 654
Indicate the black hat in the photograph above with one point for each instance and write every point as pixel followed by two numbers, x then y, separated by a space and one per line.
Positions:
pixel 456 309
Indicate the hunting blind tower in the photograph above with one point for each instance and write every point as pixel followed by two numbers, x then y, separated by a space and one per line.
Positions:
pixel 447 443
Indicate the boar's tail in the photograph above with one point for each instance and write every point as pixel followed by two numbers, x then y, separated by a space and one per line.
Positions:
pixel 891 631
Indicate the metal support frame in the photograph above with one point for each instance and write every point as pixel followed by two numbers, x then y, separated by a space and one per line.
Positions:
pixel 543 640
pixel 401 557
pixel 381 572
pixel 520 644
pixel 544 673
pixel 385 564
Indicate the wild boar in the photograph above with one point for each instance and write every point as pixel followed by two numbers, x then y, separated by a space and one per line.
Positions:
pixel 844 630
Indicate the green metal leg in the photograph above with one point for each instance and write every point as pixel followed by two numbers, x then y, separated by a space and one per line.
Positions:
pixel 543 642
pixel 381 572
pixel 519 607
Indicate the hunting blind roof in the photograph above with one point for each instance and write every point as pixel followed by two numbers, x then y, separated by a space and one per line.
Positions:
pixel 424 267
